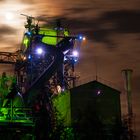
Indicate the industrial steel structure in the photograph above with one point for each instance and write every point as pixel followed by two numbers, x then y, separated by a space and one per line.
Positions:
pixel 44 66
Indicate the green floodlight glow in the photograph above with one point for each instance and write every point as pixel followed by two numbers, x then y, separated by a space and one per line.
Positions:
pixel 5 84
pixel 51 35
pixel 47 39
pixel 26 42
pixel 66 33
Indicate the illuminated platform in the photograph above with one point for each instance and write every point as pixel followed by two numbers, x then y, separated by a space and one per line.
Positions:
pixel 23 122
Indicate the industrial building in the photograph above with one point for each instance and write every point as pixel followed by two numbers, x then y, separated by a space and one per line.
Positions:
pixel 96 111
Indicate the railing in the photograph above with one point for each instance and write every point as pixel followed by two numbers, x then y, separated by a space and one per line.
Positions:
pixel 16 114
pixel 16 122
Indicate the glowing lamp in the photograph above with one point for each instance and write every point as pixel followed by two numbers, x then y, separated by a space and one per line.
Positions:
pixel 24 58
pixel 75 53
pixel 9 16
pixel 29 57
pixel 75 60
pixel 99 92
pixel 80 37
pixel 39 51
pixel 59 89
pixel 84 38
pixel 28 33
pixel 65 58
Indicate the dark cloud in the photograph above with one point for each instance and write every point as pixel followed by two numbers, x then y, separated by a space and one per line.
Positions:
pixel 80 10
pixel 7 30
pixel 44 17
pixel 92 29
pixel 125 21
pixel 109 23
pixel 48 20
pixel 27 1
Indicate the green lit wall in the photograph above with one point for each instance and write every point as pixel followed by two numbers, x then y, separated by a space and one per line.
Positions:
pixel 25 43
pixel 62 105
pixel 49 39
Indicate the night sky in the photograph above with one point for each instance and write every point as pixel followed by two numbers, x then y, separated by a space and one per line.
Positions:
pixel 112 29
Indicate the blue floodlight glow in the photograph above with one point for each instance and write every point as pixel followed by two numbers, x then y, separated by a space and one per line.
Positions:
pixel 80 37
pixel 75 53
pixel 28 33
pixel 29 57
pixel 75 60
pixel 65 58
pixel 39 51
pixel 58 28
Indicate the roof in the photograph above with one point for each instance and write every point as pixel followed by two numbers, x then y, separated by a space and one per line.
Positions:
pixel 94 84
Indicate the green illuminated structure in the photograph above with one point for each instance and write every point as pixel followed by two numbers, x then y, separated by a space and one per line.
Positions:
pixel 26 43
pixel 38 74
pixel 5 84
pixel 50 37
pixel 61 104
pixel 13 115
pixel 11 99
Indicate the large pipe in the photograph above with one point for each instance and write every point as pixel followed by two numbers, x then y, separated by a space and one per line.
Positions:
pixel 127 73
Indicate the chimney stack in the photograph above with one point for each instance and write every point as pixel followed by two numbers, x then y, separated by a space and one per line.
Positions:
pixel 127 73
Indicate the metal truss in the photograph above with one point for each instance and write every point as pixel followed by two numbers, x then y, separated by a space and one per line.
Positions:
pixel 8 57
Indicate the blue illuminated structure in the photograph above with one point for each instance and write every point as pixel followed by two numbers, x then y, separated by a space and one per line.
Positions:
pixel 47 58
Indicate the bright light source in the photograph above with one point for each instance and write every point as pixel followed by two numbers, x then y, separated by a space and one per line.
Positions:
pixel 75 60
pixel 59 89
pixel 24 58
pixel 75 53
pixel 28 33
pixel 80 37
pixel 65 58
pixel 39 51
pixel 84 38
pixel 9 16
pixel 98 92
pixel 29 57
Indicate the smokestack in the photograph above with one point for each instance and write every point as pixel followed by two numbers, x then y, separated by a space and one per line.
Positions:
pixel 127 73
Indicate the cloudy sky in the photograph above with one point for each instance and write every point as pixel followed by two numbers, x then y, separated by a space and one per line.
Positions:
pixel 112 29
